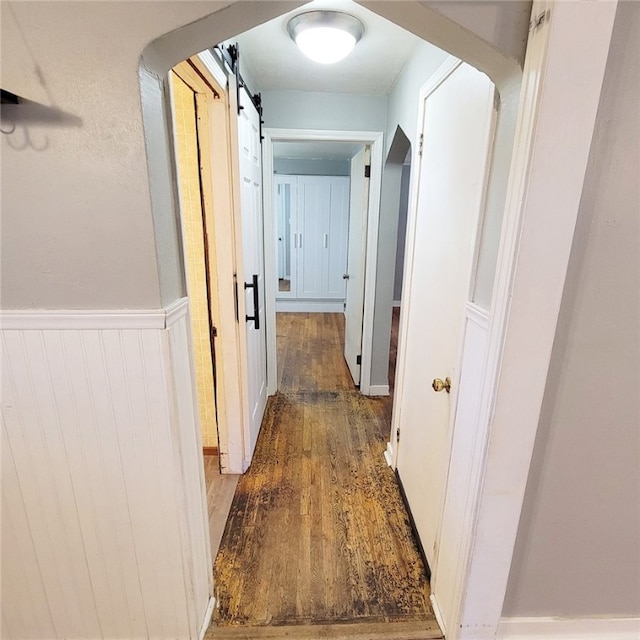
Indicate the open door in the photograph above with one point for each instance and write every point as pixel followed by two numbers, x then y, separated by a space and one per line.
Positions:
pixel 456 136
pixel 252 284
pixel 354 300
pixel 190 112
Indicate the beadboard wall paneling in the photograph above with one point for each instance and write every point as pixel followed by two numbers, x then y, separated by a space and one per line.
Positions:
pixel 104 525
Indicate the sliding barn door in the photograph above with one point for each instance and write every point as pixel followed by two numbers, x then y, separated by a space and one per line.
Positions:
pixel 250 161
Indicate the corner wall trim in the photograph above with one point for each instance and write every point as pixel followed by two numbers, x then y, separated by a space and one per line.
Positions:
pixel 478 315
pixel 100 319
pixel 569 628
pixel 378 390
pixel 437 612
pixel 207 618
pixel 388 454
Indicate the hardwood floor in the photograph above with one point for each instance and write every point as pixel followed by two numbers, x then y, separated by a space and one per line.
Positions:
pixel 220 491
pixel 317 533
pixel 310 352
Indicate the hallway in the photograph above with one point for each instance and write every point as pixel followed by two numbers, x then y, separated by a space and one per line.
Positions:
pixel 317 531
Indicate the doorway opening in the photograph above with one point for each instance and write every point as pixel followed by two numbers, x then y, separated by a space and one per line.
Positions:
pixel 391 254
pixel 487 63
pixel 331 238
pixel 338 233
pixel 318 205
pixel 403 205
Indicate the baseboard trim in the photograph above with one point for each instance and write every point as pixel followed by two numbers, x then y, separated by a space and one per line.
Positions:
pixel 569 629
pixel 92 319
pixel 388 454
pixel 207 618
pixel 396 303
pixel 437 612
pixel 378 390
pixel 209 451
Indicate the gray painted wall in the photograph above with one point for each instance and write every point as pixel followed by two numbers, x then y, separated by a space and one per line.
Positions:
pixel 311 110
pixel 578 547
pixel 388 228
pixel 402 232
pixel 88 201
pixel 311 167
pixel 403 99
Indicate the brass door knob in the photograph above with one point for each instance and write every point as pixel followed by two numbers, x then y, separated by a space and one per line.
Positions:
pixel 441 385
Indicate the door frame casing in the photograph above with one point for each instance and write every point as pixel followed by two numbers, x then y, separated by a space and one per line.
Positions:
pixel 376 140
pixel 546 178
pixel 220 228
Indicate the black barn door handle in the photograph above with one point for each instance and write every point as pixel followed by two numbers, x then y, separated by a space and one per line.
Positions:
pixel 256 314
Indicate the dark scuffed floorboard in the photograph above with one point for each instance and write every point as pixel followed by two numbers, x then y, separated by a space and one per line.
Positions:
pixel 317 533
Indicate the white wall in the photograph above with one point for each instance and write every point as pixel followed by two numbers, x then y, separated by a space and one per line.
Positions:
pixel 403 100
pixel 311 110
pixel 489 21
pixel 402 232
pixel 578 547
pixel 386 257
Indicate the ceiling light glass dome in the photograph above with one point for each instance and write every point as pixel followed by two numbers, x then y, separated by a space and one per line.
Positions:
pixel 325 36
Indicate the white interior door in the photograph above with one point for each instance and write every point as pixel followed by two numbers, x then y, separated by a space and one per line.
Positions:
pixel 354 296
pixel 250 161
pixel 335 238
pixel 313 204
pixel 457 132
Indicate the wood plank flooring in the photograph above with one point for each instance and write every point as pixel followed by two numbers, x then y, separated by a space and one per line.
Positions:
pixel 317 533
pixel 220 491
pixel 310 352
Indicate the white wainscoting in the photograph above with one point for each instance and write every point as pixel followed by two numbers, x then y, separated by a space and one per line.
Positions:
pixel 454 538
pixel 569 629
pixel 104 520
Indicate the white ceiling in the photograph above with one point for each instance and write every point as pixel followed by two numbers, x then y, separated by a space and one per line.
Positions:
pixel 276 63
pixel 316 150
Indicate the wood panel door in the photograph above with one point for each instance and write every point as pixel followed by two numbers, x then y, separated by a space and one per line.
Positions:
pixel 354 295
pixel 313 204
pixel 456 137
pixel 320 236
pixel 335 240
pixel 250 166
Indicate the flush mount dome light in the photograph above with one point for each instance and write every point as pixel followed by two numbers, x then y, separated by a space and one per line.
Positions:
pixel 325 36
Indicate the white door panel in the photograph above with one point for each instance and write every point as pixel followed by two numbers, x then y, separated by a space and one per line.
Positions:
pixel 354 295
pixel 456 132
pixel 335 238
pixel 253 264
pixel 313 201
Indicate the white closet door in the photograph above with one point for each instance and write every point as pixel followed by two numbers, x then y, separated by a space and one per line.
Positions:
pixel 313 205
pixel 335 239
pixel 457 135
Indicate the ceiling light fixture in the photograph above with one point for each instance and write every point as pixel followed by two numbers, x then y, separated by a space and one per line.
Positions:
pixel 325 36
